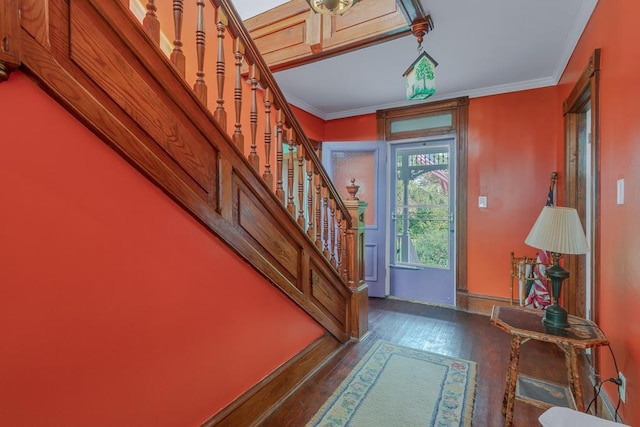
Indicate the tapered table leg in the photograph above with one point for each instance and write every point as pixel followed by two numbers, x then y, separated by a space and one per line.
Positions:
pixel 508 401
pixel 576 382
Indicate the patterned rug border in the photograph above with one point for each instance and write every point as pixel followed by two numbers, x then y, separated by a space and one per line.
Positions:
pixel 468 395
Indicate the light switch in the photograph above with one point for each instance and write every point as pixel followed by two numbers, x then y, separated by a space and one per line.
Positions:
pixel 482 201
pixel 620 192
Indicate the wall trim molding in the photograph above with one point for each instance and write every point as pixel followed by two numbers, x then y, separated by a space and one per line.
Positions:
pixel 254 406
pixel 478 303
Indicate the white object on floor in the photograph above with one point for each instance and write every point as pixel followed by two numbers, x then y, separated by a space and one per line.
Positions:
pixel 561 417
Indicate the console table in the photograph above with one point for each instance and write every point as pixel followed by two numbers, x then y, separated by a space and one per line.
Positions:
pixel 524 324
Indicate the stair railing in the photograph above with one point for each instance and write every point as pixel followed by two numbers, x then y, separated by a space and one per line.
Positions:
pixel 210 158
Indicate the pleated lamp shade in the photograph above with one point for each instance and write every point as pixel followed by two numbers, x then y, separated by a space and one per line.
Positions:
pixel 558 230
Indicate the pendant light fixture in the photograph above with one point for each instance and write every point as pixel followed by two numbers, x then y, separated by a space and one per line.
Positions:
pixel 331 7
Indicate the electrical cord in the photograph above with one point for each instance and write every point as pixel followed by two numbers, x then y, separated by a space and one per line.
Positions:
pixel 598 387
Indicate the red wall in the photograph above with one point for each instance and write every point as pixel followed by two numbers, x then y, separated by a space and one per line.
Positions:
pixel 357 128
pixel 511 154
pixel 117 307
pixel 312 125
pixel 613 28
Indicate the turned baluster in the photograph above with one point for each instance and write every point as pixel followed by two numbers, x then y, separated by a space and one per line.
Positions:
pixel 332 229
pixel 151 23
pixel 221 115
pixel 238 138
pixel 339 238
pixel 177 55
pixel 310 198
pixel 300 184
pixel 254 160
pixel 267 176
pixel 291 207
pixel 279 155
pixel 325 222
pixel 318 205
pixel 345 248
pixel 200 87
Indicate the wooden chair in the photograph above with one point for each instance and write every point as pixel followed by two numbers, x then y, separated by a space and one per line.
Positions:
pixel 522 271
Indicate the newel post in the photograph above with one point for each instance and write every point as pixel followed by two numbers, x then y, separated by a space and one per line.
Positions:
pixel 355 264
pixel 9 37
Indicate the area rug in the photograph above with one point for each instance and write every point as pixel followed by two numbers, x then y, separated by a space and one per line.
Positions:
pixel 399 386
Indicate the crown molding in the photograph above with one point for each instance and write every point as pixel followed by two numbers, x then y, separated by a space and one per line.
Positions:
pixel 579 24
pixel 492 90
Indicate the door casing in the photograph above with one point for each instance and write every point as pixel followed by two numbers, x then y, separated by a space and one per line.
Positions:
pixel 459 108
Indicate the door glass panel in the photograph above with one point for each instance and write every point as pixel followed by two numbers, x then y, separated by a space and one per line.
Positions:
pixel 360 165
pixel 422 215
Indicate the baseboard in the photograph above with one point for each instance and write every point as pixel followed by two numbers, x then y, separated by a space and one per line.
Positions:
pixel 477 303
pixel 261 400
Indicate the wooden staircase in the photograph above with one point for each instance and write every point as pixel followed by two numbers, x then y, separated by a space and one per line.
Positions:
pixel 225 146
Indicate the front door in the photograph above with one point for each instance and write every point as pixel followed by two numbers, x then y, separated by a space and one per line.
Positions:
pixel 366 162
pixel 422 235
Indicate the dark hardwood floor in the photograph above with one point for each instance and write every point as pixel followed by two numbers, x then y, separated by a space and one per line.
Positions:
pixel 439 330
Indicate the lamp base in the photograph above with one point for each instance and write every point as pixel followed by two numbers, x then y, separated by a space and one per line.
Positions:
pixel 555 317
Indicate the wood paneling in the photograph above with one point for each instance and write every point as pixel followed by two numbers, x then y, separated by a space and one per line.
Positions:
pixel 96 60
pixel 108 66
pixel 363 24
pixel 35 20
pixel 327 296
pixel 102 67
pixel 292 34
pixel 268 233
pixel 10 50
pixel 480 304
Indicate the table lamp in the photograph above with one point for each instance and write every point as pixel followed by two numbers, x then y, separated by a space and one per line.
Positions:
pixel 559 231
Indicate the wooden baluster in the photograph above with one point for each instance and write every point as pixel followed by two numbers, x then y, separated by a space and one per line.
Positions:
pixel 318 205
pixel 345 265
pixel 300 183
pixel 310 198
pixel 332 229
pixel 279 155
pixel 291 207
pixel 267 176
pixel 200 87
pixel 177 56
pixel 238 138
pixel 325 223
pixel 254 160
pixel 339 241
pixel 151 23
pixel 220 115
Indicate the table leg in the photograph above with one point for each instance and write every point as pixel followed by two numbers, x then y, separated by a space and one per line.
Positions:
pixel 508 401
pixel 576 380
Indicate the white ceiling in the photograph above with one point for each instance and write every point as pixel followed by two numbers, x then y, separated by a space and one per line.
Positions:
pixel 482 47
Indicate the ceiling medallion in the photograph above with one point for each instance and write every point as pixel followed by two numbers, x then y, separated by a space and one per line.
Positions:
pixel 331 7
